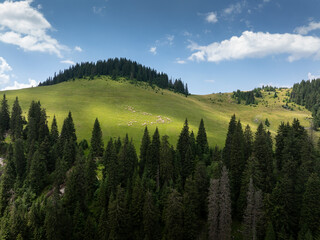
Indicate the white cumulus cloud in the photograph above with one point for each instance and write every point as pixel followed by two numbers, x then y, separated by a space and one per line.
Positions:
pixel 306 29
pixel 211 17
pixel 153 50
pixel 26 27
pixel 312 77
pixel 69 62
pixel 257 45
pixel 16 85
pixel 4 69
pixel 78 49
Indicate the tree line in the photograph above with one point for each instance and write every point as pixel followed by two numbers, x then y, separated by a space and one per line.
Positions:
pixel 249 97
pixel 53 187
pixel 118 68
pixel 306 93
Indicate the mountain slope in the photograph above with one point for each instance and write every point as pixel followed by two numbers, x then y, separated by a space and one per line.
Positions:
pixel 123 107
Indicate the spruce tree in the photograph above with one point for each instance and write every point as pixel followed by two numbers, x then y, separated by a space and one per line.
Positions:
pixel 166 162
pixel 19 159
pixel 54 133
pixel 310 211
pixel 152 167
pixel 103 230
pixel 111 165
pixel 91 181
pixel 173 216
pixel 96 140
pixel 136 208
pixel 225 220
pixel 16 121
pixel 145 144
pixel 4 117
pixel 151 226
pixel 248 139
pixel 182 148
pixel 229 141
pixel 202 142
pixel 38 173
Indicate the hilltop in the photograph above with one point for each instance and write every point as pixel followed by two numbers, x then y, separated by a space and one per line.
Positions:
pixel 123 106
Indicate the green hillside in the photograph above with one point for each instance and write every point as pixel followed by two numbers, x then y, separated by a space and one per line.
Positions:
pixel 123 107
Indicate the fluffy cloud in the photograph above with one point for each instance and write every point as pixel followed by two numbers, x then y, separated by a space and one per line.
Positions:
pixel 234 8
pixel 69 62
pixel 306 29
pixel 258 45
pixel 78 49
pixel 16 85
pixel 153 50
pixel 211 17
pixel 26 27
pixel 312 77
pixel 4 68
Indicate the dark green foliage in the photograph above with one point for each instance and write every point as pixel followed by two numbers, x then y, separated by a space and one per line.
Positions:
pixel 4 117
pixel 202 142
pixel 91 181
pixel 151 217
pixel 54 134
pixel 267 123
pixel 228 144
pixel 68 131
pixel 152 166
pixel 128 161
pixel 118 216
pixel 118 68
pixel 173 216
pixel 248 97
pixel 16 121
pixel 96 140
pixel 103 230
pixel 145 144
pixel 38 173
pixel 166 162
pixel 262 151
pixel 19 159
pixel 111 164
pixel 136 208
pixel 310 211
pixel 270 234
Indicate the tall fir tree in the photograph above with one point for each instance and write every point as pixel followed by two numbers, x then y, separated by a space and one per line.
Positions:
pixel 38 173
pixel 4 117
pixel 54 133
pixel 229 141
pixel 96 140
pixel 182 148
pixel 145 144
pixel 166 162
pixel 202 141
pixel 151 225
pixel 152 167
pixel 111 165
pixel 16 121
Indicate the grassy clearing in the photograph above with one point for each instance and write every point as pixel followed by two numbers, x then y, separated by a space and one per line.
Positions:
pixel 123 107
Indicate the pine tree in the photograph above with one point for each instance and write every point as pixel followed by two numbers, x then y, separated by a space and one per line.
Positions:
pixel 38 173
pixel 182 148
pixel 54 134
pixel 173 216
pixel 16 121
pixel 150 218
pixel 78 223
pixel 68 132
pixel 202 142
pixel 4 117
pixel 96 140
pixel 213 210
pixel 153 159
pixel 118 215
pixel 270 234
pixel 136 208
pixel 166 162
pixel 145 144
pixel 262 150
pixel 248 139
pixel 310 211
pixel 19 158
pixel 229 141
pixel 91 181
pixel 43 126
pixel 225 219
pixel 103 230
pixel 110 162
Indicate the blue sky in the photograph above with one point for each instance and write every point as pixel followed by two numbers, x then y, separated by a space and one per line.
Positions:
pixel 214 46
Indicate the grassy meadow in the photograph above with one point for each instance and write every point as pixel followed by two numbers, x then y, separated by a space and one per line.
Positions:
pixel 123 107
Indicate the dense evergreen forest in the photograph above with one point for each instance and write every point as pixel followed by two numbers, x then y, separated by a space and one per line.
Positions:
pixel 307 93
pixel 54 187
pixel 118 68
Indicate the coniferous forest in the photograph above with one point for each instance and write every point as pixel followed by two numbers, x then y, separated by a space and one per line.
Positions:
pixel 118 68
pixel 55 187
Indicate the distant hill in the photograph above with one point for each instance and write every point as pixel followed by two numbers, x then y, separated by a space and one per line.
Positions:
pixel 115 68
pixel 124 106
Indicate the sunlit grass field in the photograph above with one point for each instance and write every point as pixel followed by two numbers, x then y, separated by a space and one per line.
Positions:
pixel 126 107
